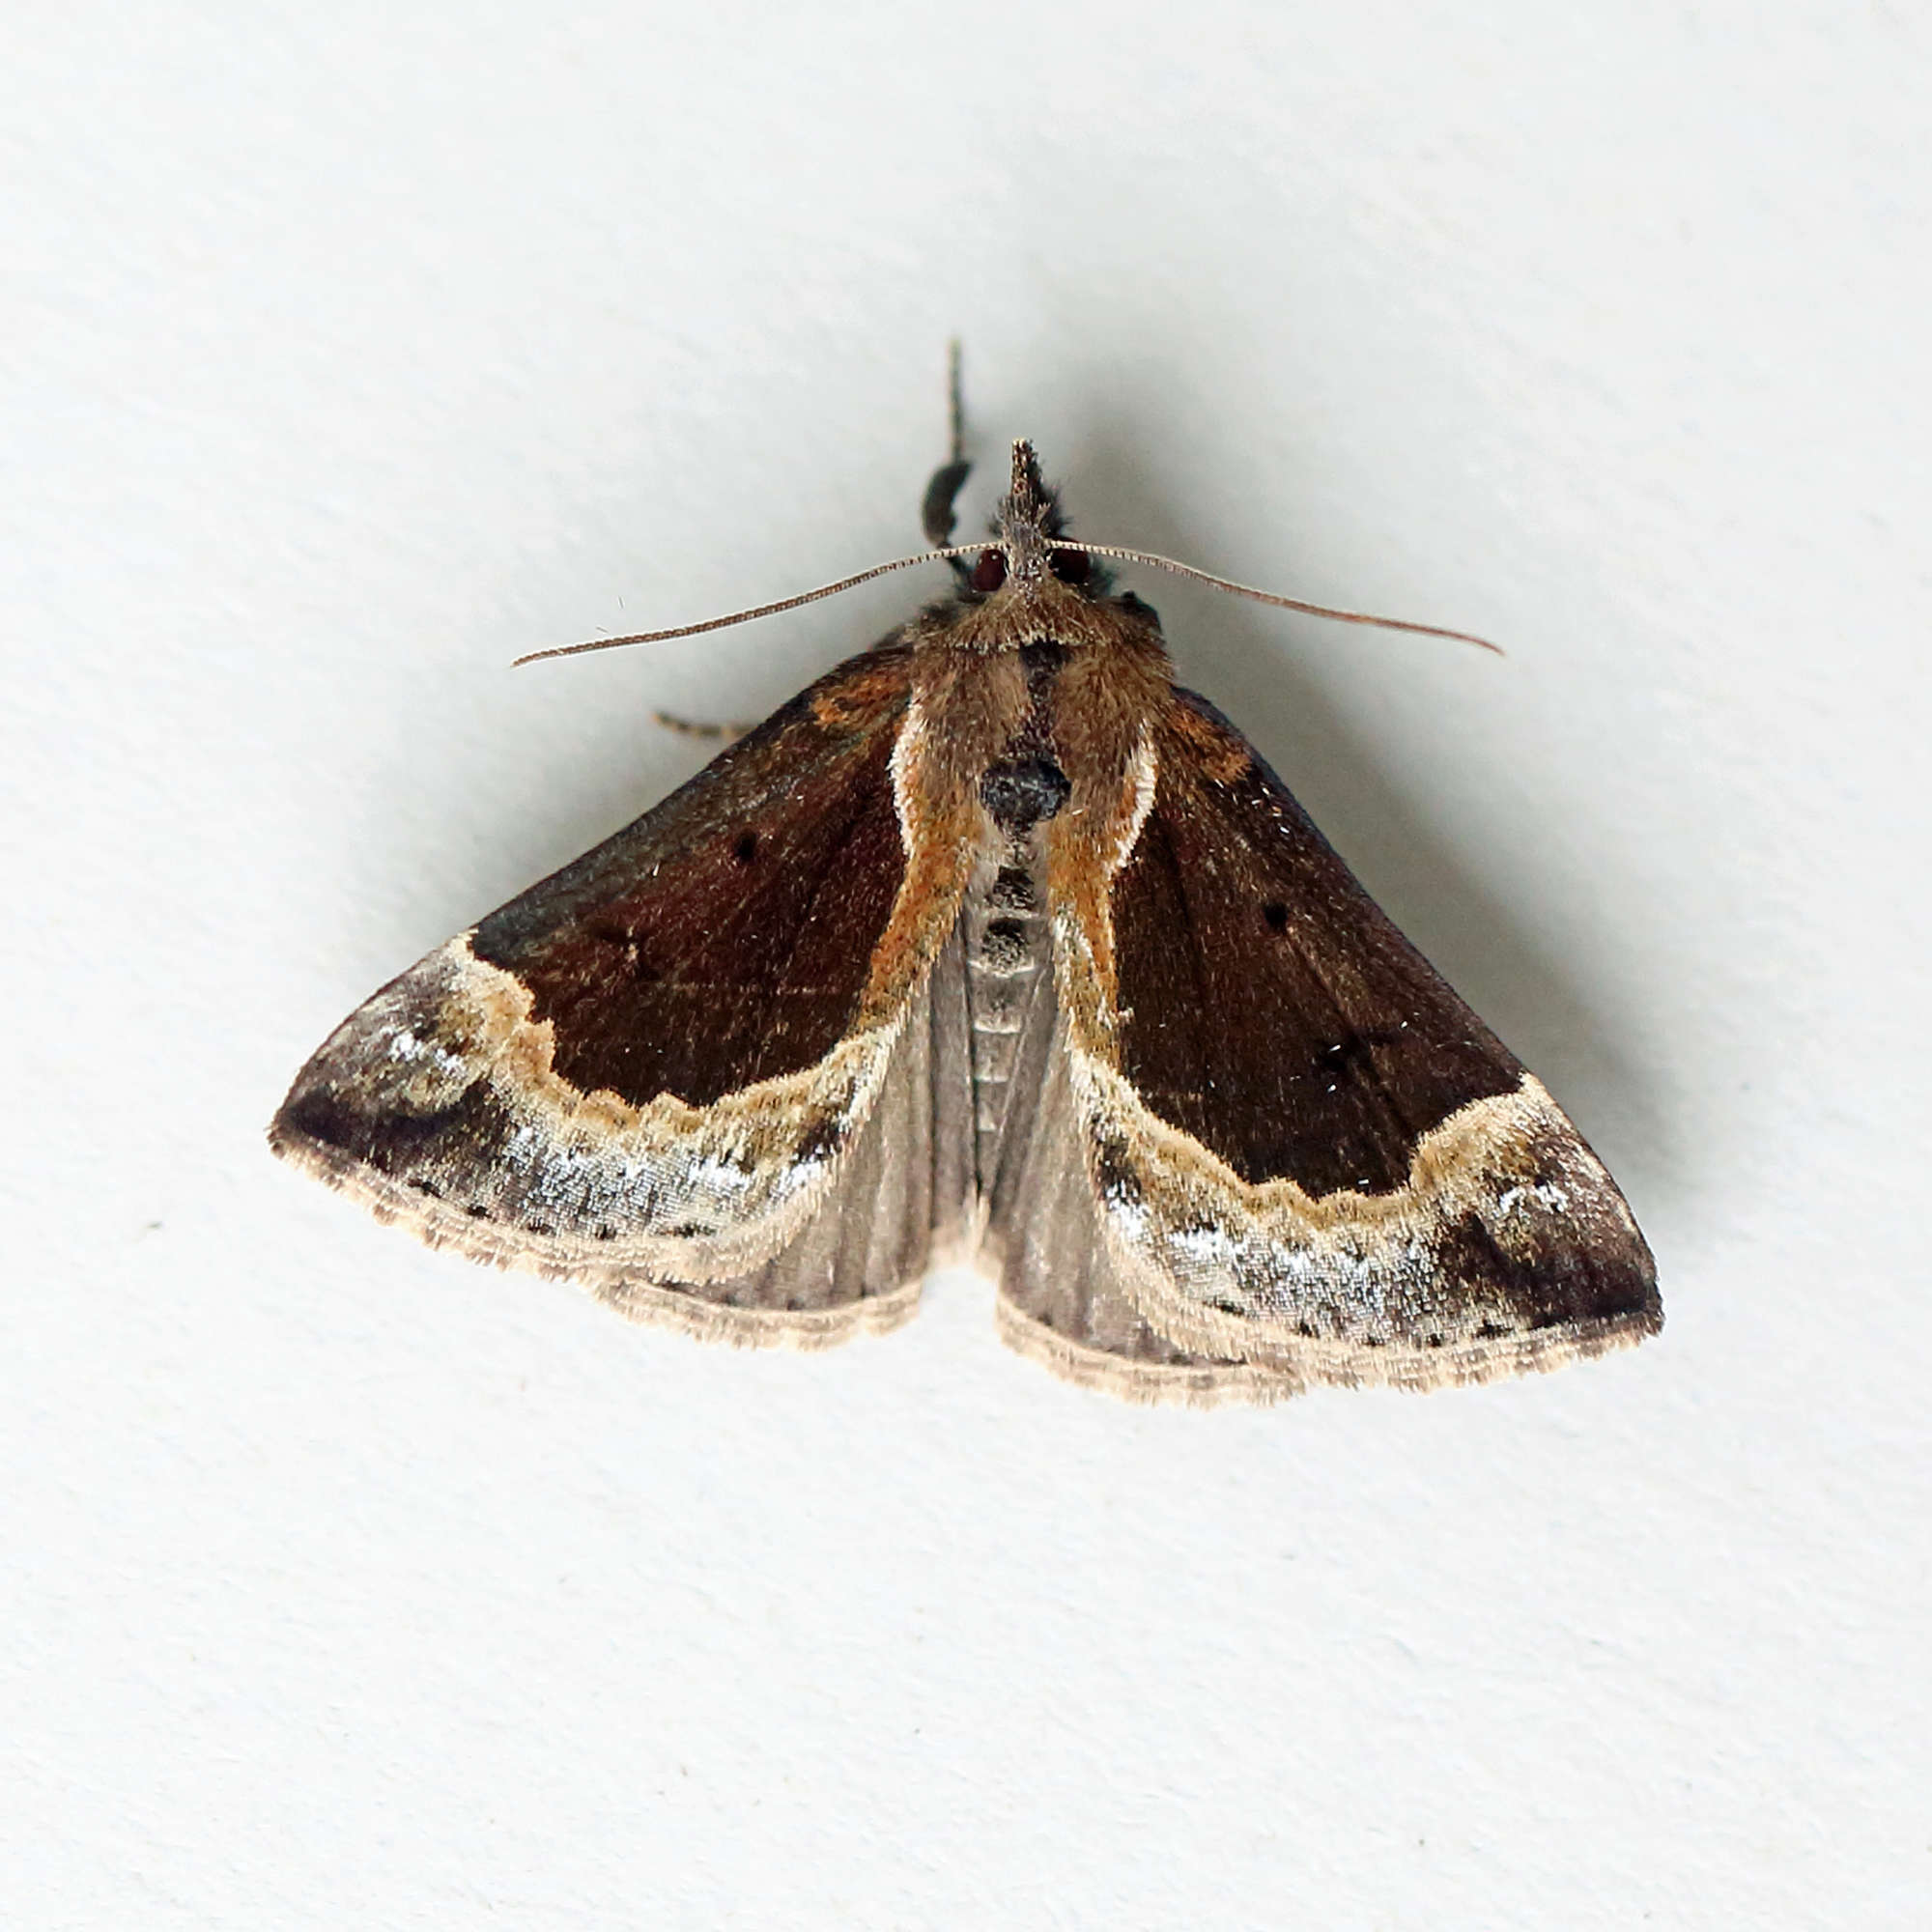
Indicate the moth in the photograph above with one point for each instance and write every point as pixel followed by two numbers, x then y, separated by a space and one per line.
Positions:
pixel 994 944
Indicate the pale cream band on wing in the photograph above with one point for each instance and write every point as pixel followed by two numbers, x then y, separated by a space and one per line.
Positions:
pixel 687 1193
pixel 1269 1273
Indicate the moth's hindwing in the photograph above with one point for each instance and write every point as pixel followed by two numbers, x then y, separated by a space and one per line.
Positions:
pixel 1305 1153
pixel 1066 1297
pixel 692 1069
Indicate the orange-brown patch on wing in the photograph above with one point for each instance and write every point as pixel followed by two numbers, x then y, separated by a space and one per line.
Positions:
pixel 1221 755
pixel 865 695
pixel 964 710
pixel 1106 706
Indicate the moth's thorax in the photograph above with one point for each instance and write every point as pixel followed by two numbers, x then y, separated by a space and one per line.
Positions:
pixel 1043 720
pixel 1037 610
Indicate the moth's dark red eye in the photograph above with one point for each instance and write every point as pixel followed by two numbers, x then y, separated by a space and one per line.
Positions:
pixel 1070 566
pixel 990 572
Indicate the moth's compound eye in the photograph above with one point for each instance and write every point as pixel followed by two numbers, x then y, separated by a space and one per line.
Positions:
pixel 1070 566
pixel 990 571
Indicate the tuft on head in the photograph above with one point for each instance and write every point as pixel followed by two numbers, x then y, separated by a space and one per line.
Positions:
pixel 1030 499
pixel 1028 517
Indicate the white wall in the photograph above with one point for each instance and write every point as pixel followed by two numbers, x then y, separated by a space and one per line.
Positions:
pixel 351 349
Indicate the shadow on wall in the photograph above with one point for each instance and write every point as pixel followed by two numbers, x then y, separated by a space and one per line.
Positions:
pixel 1547 1007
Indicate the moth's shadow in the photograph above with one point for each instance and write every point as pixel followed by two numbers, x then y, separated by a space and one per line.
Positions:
pixel 1547 1007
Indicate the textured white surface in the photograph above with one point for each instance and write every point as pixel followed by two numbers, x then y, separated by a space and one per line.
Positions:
pixel 351 349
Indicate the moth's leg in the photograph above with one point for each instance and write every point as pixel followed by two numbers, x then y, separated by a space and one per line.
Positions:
pixel 937 515
pixel 692 727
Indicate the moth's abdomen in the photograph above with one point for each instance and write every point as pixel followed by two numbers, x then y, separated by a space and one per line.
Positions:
pixel 1008 985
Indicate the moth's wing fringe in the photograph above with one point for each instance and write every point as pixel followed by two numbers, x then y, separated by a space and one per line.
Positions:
pixel 1537 1351
pixel 1154 1384
pixel 688 1309
pixel 1228 1385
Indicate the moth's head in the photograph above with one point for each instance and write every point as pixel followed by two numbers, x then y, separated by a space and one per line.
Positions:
pixel 1030 532
pixel 1030 582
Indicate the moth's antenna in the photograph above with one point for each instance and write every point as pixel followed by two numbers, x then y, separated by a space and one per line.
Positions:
pixel 1269 596
pixel 939 555
pixel 936 515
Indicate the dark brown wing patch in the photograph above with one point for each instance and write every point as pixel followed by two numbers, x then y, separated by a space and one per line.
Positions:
pixel 726 936
pixel 1269 1008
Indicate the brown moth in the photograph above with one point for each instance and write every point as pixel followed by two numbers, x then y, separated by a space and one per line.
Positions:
pixel 992 946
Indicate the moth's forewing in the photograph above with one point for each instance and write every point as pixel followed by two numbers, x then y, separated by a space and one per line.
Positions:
pixel 1307 1153
pixel 680 1070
